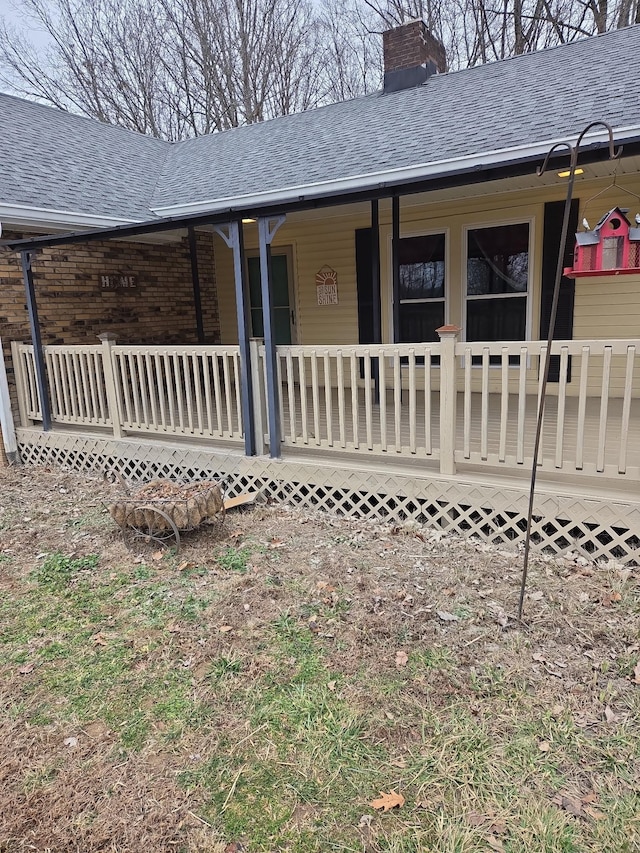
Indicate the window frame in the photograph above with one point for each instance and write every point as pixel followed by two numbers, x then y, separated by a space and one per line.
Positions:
pixel 530 221
pixel 446 299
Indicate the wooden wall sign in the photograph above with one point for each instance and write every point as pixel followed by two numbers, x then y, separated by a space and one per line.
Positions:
pixel 327 286
pixel 120 281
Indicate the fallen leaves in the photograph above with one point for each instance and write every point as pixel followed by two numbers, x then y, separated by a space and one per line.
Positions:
pixel 447 617
pixel 27 668
pixel 610 598
pixel 389 801
pixel 636 673
pixel 581 806
pixel 99 639
pixel 402 659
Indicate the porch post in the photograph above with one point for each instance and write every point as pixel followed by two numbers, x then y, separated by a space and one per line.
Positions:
pixel 259 402
pixel 448 398
pixel 234 238
pixel 395 260
pixel 195 279
pixel 38 357
pixel 21 384
pixel 267 228
pixel 111 382
pixel 6 416
pixel 375 287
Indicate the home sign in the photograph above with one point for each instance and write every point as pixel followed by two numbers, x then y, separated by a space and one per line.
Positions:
pixel 119 281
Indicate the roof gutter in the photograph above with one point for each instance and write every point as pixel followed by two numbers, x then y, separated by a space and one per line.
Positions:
pixel 25 216
pixel 389 177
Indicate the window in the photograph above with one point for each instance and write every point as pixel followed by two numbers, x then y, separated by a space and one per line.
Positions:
pixel 422 282
pixel 497 283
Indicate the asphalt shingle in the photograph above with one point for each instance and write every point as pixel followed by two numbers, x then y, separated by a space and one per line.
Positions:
pixel 60 161
pixel 519 101
pixel 56 160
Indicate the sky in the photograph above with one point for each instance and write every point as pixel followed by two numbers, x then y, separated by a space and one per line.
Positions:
pixel 10 11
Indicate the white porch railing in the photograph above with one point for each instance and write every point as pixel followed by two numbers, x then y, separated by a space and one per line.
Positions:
pixel 329 398
pixel 187 391
pixel 591 422
pixel 179 390
pixel 450 404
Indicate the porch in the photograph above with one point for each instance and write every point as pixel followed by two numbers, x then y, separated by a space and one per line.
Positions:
pixel 407 431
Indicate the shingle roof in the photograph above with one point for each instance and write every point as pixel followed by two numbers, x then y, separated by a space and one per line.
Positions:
pixel 519 101
pixel 54 159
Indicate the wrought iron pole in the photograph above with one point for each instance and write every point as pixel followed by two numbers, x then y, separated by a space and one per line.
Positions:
pixel 574 151
pixel 267 227
pixel 375 292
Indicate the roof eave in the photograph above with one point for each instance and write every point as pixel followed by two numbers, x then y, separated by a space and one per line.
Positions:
pixel 26 216
pixel 394 178
pixel 325 194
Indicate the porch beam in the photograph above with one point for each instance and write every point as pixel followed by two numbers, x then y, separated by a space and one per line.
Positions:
pixel 267 227
pixel 195 280
pixel 34 324
pixel 233 236
pixel 395 261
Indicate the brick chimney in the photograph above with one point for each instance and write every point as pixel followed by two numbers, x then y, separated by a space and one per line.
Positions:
pixel 411 56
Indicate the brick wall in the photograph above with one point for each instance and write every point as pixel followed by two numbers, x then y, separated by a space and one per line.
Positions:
pixel 73 308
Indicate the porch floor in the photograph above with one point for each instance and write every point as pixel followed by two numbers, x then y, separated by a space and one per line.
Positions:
pixel 389 434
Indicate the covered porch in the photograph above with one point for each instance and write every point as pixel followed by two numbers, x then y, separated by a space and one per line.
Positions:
pixel 345 415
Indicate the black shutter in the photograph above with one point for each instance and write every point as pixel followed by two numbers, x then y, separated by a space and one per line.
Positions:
pixel 364 284
pixel 553 213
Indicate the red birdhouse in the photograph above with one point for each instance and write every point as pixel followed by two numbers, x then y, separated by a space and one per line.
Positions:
pixel 612 248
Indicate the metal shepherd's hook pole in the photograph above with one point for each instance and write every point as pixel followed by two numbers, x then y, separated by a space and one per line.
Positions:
pixel 574 151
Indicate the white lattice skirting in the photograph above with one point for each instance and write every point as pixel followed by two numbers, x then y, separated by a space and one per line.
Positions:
pixel 597 528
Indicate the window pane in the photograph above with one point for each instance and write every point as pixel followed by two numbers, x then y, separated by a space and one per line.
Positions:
pixel 257 323
pixel 498 260
pixel 496 319
pixel 419 321
pixel 422 267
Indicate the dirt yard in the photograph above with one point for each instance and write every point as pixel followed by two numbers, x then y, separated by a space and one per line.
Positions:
pixel 295 682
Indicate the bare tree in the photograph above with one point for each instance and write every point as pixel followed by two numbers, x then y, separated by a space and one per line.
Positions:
pixel 352 50
pixel 104 60
pixel 172 68
pixel 179 68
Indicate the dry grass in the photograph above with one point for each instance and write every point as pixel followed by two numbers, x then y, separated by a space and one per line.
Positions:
pixel 257 691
